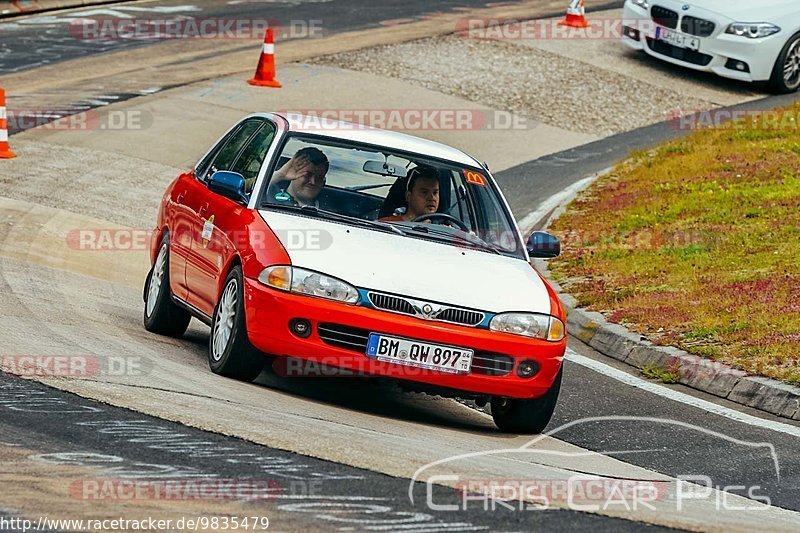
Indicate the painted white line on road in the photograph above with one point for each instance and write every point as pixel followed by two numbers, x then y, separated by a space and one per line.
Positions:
pixel 551 203
pixel 670 394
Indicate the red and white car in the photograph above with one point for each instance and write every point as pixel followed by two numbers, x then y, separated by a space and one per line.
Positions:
pixel 447 302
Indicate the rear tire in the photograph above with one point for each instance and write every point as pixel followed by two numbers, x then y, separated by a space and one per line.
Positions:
pixel 526 416
pixel 229 350
pixel 786 73
pixel 161 315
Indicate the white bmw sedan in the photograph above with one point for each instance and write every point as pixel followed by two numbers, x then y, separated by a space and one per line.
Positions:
pixel 748 40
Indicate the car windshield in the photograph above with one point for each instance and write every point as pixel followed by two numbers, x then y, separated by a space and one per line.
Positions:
pixel 391 191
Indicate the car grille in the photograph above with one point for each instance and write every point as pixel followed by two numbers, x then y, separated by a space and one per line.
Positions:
pixel 698 27
pixel 391 303
pixel 665 17
pixel 460 316
pixel 681 54
pixel 356 339
pixel 406 306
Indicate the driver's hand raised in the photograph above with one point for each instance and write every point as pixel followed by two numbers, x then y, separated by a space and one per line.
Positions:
pixel 296 168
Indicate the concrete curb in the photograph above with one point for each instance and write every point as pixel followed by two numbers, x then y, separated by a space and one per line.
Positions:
pixel 612 340
pixel 29 7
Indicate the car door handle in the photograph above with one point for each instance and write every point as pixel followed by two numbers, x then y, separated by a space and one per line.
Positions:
pixel 180 198
pixel 203 210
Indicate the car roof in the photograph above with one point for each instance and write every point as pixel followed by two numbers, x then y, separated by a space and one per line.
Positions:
pixel 339 129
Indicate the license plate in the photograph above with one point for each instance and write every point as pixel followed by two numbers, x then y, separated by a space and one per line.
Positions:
pixel 419 354
pixel 677 39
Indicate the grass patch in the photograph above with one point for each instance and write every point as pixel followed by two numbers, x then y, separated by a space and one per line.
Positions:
pixel 656 373
pixel 697 244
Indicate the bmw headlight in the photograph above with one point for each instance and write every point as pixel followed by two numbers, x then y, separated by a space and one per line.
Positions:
pixel 544 327
pixel 308 282
pixel 644 4
pixel 752 31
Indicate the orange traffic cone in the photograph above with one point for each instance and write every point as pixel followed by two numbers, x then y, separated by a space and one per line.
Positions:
pixel 265 72
pixel 576 15
pixel 5 152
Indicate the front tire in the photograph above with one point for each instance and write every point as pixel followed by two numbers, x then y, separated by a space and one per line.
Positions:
pixel 526 416
pixel 786 73
pixel 229 350
pixel 161 315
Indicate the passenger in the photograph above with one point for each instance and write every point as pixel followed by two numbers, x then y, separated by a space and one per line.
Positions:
pixel 422 195
pixel 301 180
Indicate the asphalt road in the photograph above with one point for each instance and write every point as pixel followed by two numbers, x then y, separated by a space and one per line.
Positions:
pixel 73 430
pixel 680 440
pixel 48 38
pixel 602 408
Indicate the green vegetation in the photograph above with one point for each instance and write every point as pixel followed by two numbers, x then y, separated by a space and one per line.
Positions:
pixel 696 244
pixel 657 373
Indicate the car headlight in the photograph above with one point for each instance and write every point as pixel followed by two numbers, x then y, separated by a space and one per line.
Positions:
pixel 544 327
pixel 752 31
pixel 644 4
pixel 308 282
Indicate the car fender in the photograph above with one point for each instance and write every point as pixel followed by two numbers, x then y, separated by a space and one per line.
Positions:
pixel 254 246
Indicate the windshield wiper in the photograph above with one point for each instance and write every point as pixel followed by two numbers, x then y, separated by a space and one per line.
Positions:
pixel 476 241
pixel 325 214
pixel 346 218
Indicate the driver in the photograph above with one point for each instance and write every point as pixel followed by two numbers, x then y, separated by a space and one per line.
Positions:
pixel 422 195
pixel 300 181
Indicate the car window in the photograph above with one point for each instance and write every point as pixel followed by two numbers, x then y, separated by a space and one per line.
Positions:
pixel 202 168
pixel 347 181
pixel 249 161
pixel 230 150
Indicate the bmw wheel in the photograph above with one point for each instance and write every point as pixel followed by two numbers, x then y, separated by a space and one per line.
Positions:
pixel 161 315
pixel 526 416
pixel 786 74
pixel 229 350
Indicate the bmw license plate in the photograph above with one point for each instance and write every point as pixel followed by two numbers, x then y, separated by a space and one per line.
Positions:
pixel 677 39
pixel 419 354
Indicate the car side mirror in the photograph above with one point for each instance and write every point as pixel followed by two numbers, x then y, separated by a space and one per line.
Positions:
pixel 542 245
pixel 228 184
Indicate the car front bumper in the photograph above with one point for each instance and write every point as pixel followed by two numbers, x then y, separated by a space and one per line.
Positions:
pixel 269 312
pixel 720 53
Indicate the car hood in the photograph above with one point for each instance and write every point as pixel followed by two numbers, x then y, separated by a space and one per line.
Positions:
pixel 743 10
pixel 412 267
